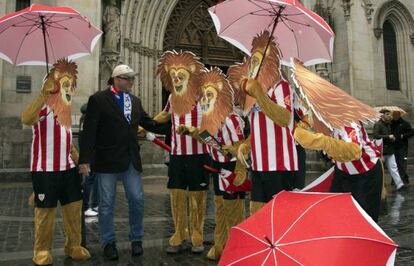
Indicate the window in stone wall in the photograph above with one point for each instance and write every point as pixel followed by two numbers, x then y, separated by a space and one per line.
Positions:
pixel 20 4
pixel 24 84
pixel 391 57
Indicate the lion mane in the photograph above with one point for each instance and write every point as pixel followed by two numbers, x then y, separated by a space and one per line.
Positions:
pixel 269 73
pixel 236 74
pixel 333 107
pixel 62 111
pixel 223 106
pixel 181 104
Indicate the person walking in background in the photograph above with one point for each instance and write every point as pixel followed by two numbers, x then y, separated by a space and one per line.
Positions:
pixel 382 130
pixel 110 145
pixel 402 131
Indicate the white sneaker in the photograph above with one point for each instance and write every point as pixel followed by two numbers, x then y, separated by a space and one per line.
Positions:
pixel 95 209
pixel 90 213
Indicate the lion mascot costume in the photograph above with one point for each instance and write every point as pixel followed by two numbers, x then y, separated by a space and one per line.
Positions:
pixel 270 105
pixel 188 181
pixel 226 127
pixel 54 174
pixel 334 124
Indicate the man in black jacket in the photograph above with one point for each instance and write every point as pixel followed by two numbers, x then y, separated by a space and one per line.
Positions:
pixel 402 130
pixel 110 143
pixel 382 130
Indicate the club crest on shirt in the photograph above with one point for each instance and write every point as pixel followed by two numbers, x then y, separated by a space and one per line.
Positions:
pixel 256 108
pixel 41 197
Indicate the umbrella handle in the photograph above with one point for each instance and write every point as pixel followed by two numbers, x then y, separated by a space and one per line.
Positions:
pixel 279 13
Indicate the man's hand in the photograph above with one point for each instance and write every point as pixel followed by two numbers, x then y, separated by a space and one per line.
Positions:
pixel 392 137
pixel 84 169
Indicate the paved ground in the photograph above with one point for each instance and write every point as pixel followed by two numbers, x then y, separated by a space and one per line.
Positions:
pixel 16 228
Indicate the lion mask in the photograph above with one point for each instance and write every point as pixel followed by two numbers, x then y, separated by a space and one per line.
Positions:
pixel 63 76
pixel 216 100
pixel 180 75
pixel 331 106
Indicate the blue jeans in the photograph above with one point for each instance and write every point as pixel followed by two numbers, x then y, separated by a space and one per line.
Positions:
pixel 132 182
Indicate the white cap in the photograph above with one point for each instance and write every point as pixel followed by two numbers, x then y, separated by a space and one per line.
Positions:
pixel 123 70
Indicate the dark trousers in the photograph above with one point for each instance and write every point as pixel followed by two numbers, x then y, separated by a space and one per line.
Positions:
pixel 267 184
pixel 401 159
pixel 90 185
pixel 299 176
pixel 365 188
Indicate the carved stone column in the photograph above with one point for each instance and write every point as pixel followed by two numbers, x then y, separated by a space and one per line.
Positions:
pixel 107 63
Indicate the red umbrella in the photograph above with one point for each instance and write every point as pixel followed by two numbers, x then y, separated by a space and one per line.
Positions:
pixel 299 32
pixel 42 34
pixel 322 183
pixel 303 228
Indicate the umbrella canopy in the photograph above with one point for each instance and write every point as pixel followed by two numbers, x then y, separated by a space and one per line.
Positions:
pixel 391 109
pixel 42 34
pixel 304 228
pixel 299 32
pixel 322 183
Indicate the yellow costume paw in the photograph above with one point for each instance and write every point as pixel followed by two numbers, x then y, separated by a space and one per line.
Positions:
pixel 78 253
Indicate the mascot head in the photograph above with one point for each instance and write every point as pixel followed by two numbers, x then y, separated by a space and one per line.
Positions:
pixel 216 100
pixel 270 70
pixel 237 74
pixel 332 107
pixel 63 77
pixel 180 75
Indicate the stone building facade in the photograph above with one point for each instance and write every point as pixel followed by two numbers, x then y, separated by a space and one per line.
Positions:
pixel 148 27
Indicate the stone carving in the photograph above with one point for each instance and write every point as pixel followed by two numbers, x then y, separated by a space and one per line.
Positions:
pixel 142 50
pixel 346 5
pixel 111 24
pixel 367 5
pixel 378 32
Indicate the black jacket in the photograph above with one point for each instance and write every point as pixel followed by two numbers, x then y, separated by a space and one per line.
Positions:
pixel 382 131
pixel 402 130
pixel 108 140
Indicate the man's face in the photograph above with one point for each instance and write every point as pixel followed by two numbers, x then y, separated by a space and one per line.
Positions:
pixel 180 78
pixel 255 62
pixel 208 99
pixel 66 89
pixel 386 116
pixel 124 83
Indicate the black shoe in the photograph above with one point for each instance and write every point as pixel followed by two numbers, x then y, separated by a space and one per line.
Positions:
pixel 136 248
pixel 110 251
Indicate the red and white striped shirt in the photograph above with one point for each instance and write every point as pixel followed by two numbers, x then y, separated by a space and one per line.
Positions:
pixel 370 151
pixel 51 144
pixel 230 133
pixel 183 144
pixel 273 147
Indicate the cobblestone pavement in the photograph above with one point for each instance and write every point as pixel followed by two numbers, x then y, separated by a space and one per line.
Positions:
pixel 16 228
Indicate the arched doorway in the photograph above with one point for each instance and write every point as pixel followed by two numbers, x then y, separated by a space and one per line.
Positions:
pixel 190 28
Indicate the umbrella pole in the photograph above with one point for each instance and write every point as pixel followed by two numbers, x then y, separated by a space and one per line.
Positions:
pixel 42 18
pixel 279 13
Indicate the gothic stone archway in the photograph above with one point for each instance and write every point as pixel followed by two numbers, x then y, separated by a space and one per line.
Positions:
pixel 191 28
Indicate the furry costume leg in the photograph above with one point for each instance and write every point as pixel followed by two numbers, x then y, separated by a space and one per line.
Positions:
pixel 178 198
pixel 71 213
pixel 44 227
pixel 255 206
pixel 220 231
pixel 234 211
pixel 197 214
